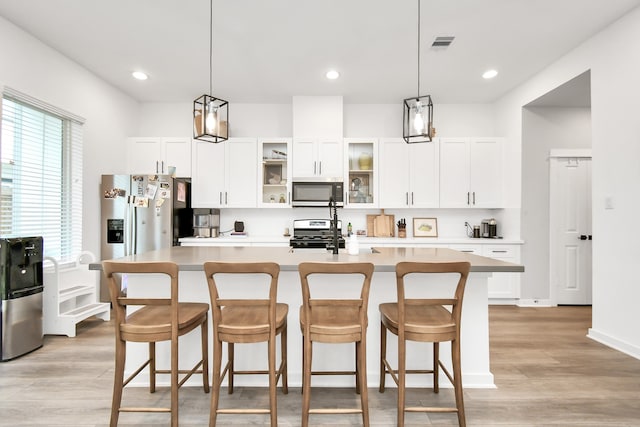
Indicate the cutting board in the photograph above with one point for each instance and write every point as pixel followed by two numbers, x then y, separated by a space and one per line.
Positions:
pixel 381 225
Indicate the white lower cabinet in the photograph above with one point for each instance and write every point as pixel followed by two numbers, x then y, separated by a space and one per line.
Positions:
pixel 475 249
pixel 503 286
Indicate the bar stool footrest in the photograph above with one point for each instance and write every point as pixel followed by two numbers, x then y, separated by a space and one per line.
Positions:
pixel 335 411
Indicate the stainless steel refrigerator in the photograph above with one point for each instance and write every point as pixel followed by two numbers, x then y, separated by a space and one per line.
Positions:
pixel 142 213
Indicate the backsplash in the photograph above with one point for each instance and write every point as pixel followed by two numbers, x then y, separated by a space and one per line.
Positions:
pixel 272 222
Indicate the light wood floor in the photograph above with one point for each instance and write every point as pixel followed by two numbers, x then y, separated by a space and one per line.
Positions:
pixel 547 372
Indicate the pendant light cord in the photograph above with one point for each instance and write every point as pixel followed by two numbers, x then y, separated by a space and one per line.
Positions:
pixel 211 47
pixel 418 48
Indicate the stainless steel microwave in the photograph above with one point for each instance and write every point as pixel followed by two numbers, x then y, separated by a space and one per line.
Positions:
pixel 317 192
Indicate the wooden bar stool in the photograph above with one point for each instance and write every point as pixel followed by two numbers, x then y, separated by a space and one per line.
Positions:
pixel 335 321
pixel 247 321
pixel 158 319
pixel 424 320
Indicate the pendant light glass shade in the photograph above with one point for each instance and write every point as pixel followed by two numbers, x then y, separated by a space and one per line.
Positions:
pixel 210 119
pixel 417 117
pixel 210 114
pixel 418 120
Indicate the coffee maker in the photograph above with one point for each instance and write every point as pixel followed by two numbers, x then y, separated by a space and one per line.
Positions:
pixel 489 228
pixel 206 222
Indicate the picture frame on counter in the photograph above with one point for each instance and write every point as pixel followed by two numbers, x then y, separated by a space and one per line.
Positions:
pixel 425 227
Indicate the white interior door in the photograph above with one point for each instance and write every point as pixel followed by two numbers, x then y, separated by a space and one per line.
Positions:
pixel 570 227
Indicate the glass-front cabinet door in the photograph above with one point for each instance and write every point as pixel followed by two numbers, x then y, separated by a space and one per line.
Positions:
pixel 361 172
pixel 274 183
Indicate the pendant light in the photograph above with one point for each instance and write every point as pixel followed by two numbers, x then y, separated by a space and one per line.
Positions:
pixel 418 111
pixel 210 114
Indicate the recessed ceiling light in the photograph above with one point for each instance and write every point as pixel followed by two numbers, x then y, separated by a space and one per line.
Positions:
pixel 139 75
pixel 332 74
pixel 489 74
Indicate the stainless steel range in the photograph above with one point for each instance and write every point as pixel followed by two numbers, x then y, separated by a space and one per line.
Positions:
pixel 314 234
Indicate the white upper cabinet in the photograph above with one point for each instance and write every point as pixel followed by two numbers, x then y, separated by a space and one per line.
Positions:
pixel 225 174
pixel 159 155
pixel 409 176
pixel 471 171
pixel 317 158
pixel 317 137
pixel 361 172
pixel 274 183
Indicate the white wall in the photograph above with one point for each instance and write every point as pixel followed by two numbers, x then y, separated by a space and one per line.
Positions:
pixel 616 174
pixel 543 129
pixel 450 120
pixel 246 120
pixel 33 68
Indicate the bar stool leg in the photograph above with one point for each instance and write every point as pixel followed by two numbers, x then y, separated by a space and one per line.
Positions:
pixel 230 359
pixel 457 381
pixel 357 368
pixel 152 367
pixel 306 380
pixel 362 374
pixel 118 381
pixel 383 356
pixel 283 355
pixel 204 337
pixel 273 406
pixel 174 383
pixel 402 346
pixel 215 393
pixel 436 367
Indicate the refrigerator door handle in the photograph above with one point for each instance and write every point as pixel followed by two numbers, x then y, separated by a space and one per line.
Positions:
pixel 134 234
pixel 130 224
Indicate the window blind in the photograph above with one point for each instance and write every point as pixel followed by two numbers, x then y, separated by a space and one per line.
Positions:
pixel 41 193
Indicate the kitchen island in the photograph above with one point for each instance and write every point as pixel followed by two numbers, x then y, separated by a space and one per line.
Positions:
pixel 193 287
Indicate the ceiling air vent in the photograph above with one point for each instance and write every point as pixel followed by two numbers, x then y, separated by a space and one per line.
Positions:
pixel 442 42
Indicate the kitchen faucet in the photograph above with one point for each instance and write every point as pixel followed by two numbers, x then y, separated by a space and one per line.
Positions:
pixel 333 212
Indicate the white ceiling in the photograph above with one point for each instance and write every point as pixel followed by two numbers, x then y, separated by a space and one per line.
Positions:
pixel 270 50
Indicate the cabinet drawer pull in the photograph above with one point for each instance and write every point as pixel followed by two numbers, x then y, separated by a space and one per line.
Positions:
pixel 499 252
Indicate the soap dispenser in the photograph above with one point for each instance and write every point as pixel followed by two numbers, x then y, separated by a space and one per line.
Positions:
pixel 354 247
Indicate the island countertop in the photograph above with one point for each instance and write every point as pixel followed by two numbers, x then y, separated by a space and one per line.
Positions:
pixel 384 258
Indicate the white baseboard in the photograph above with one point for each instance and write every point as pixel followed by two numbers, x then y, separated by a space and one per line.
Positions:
pixel 503 301
pixel 614 343
pixel 535 303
